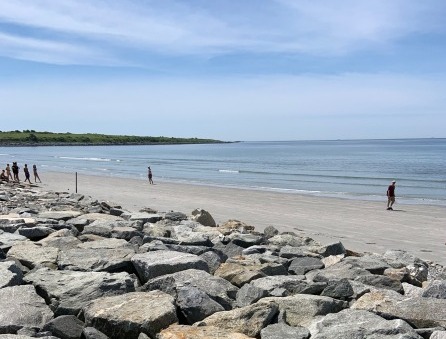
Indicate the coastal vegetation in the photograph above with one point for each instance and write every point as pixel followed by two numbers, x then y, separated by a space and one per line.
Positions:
pixel 34 138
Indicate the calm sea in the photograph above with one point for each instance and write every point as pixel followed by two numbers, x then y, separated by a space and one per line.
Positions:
pixel 346 169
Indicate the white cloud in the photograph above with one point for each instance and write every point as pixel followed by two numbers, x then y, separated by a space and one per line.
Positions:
pixel 182 27
pixel 48 51
pixel 340 26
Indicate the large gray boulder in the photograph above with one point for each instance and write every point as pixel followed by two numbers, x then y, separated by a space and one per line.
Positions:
pixel 59 215
pixel 142 217
pixel 285 285
pixel 291 252
pixel 338 271
pixel 283 331
pixel 201 332
pixel 7 240
pixel 67 291
pixel 411 291
pixel 338 289
pixel 195 305
pixel 246 240
pixel 93 217
pixel 212 259
pixel 270 231
pixel 371 263
pixel 191 238
pixel 32 255
pixel 438 335
pixel 63 241
pixel 336 248
pixel 418 269
pixel 244 270
pixel 229 250
pixel 36 232
pixel 303 309
pixel 419 312
pixel 110 255
pixel 175 216
pixel 65 327
pixel 216 288
pixel 100 229
pixel 22 307
pixel 154 264
pixel 127 315
pixel 126 233
pixel 302 265
pixel 249 320
pixel 10 274
pixel 361 324
pixel 292 240
pixel 380 281
pixel 203 217
pixel 11 225
pixel 249 294
pixel 436 289
pixel 193 233
pixel 92 333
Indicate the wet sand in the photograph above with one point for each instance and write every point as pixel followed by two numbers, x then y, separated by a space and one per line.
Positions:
pixel 364 226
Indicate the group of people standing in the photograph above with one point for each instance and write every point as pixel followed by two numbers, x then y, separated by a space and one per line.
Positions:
pixel 12 173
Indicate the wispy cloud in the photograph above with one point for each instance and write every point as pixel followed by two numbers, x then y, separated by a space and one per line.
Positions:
pixel 178 28
pixel 54 52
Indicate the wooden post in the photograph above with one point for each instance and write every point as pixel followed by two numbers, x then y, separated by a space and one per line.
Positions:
pixel 76 182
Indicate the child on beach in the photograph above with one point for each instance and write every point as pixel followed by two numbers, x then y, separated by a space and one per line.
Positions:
pixel 36 176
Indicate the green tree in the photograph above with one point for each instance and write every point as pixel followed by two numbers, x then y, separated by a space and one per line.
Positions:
pixel 32 138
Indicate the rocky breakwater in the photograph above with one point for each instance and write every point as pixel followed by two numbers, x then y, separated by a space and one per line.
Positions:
pixel 75 267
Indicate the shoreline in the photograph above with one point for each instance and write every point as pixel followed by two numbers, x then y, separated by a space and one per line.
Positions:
pixel 349 196
pixel 363 226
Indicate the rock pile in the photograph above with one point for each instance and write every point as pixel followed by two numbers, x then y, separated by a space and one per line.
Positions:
pixel 74 267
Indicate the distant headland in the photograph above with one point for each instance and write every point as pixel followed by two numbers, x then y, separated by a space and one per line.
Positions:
pixel 33 138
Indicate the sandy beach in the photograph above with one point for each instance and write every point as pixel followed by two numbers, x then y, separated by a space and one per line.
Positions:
pixel 363 226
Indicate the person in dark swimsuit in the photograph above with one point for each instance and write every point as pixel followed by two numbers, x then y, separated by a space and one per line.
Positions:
pixel 26 170
pixel 150 175
pixel 15 171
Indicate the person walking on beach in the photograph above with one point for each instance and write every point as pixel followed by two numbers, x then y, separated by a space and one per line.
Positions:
pixel 391 195
pixel 8 172
pixel 15 171
pixel 25 169
pixel 150 175
pixel 36 176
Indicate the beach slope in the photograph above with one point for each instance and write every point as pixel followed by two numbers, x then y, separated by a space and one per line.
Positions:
pixel 363 226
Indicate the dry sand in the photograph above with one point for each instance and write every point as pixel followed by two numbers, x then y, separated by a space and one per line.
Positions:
pixel 363 226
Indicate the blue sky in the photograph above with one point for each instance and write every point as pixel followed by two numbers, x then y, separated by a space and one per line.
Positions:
pixel 230 70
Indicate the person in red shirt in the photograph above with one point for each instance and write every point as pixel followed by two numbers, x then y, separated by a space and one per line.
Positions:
pixel 391 195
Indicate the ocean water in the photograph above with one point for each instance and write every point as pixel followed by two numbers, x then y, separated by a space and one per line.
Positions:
pixel 351 169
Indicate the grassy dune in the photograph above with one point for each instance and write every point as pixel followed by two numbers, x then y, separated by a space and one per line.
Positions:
pixel 33 138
